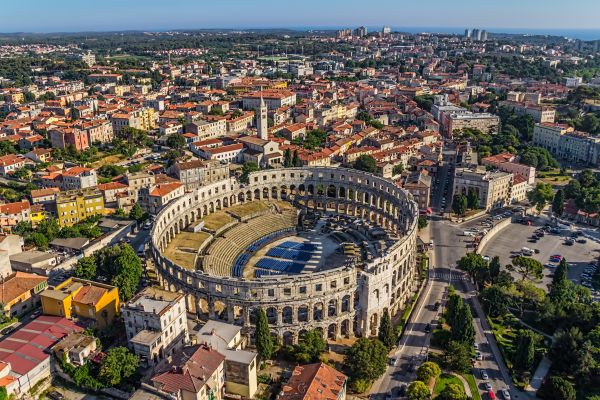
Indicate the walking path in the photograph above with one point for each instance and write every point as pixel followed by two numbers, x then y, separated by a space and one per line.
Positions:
pixel 465 385
pixel 538 377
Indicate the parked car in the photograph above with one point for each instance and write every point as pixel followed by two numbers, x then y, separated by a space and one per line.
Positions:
pixel 488 386
pixel 54 395
pixel 484 375
pixel 505 394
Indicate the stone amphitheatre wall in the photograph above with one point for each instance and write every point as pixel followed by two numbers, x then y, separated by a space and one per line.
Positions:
pixel 343 301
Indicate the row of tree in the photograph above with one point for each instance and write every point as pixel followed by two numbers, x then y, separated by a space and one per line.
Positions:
pixel 461 203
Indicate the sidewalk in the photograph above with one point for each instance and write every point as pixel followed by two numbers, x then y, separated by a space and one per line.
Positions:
pixel 538 377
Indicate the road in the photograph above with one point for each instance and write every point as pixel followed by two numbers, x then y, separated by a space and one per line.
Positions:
pixel 414 344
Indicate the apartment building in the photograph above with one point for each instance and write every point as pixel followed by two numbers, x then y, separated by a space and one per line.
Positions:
pixel 65 137
pixel 419 185
pixel 77 178
pixel 208 129
pixel 155 197
pixel 485 122
pixel 10 163
pixel 539 114
pixel 76 205
pixel 156 324
pixel 566 144
pixel 507 162
pixel 273 99
pixel 196 173
pixel 492 187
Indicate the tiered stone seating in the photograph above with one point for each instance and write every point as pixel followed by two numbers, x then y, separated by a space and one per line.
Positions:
pixel 224 250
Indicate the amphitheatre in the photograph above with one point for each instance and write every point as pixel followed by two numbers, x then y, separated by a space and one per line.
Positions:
pixel 317 248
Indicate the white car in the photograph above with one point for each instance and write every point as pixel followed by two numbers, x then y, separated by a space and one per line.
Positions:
pixel 484 375
pixel 478 356
pixel 505 394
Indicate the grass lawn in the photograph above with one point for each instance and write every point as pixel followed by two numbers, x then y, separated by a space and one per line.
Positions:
pixel 473 386
pixel 443 381
pixel 554 177
pixel 249 208
pixel 110 159
pixel 183 248
pixel 217 220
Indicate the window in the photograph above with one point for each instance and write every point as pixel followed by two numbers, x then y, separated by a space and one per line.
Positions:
pixel 302 289
pixel 271 292
pixel 318 287
pixel 287 291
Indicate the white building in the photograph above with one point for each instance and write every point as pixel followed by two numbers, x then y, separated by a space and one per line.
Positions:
pixel 156 324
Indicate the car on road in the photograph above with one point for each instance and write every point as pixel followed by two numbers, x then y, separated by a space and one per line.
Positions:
pixel 488 386
pixel 486 258
pixel 436 306
pixel 55 395
pixel 7 330
pixel 478 356
pixel 484 375
pixel 505 394
pixel 402 390
pixel 393 360
pixel 491 395
pixel 427 328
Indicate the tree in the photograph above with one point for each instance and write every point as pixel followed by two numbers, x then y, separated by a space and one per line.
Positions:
pixel 452 307
pixel 472 199
pixel 366 359
pixel 287 158
pixel 397 170
pixel 310 347
pixel 458 356
pixel 427 371
pixel 264 340
pixel 417 390
pixel 563 352
pixel 119 363
pixel 39 240
pixel 473 264
pixel 296 162
pixel 136 213
pixel 558 203
pixel 541 195
pixel 494 268
pixel 556 388
pixel 560 283
pixel 366 163
pixel 86 268
pixel 459 204
pixel 247 169
pixel 525 351
pixel 386 330
pixel 452 391
pixel 526 267
pixel 494 300
pixel 122 268
pixel 463 330
pixel 422 222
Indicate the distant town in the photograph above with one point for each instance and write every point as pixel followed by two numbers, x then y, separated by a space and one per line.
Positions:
pixel 285 214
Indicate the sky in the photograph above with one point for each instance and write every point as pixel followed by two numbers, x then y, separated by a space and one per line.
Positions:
pixel 108 15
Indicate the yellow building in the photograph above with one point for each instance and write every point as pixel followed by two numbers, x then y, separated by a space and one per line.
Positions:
pixel 36 214
pixel 84 299
pixel 147 118
pixel 76 205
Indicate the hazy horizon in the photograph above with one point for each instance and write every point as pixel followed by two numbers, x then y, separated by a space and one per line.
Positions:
pixel 509 16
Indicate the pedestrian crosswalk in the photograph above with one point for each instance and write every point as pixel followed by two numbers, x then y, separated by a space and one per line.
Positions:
pixel 448 276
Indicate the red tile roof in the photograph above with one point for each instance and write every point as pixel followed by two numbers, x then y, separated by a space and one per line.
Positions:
pixel 314 382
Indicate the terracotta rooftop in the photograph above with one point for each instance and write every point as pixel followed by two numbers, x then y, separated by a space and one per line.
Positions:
pixel 314 382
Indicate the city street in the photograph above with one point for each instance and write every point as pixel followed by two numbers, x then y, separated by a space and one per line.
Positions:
pixel 413 346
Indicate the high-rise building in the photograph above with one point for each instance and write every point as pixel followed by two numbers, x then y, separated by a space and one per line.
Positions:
pixel 360 31
pixel 476 34
pixel 468 33
pixel 484 35
pixel 386 30
pixel 262 121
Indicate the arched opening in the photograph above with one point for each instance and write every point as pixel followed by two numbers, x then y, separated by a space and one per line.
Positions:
pixel 303 313
pixel 331 192
pixel 332 331
pixel 346 303
pixel 345 328
pixel 318 312
pixel 272 315
pixel 220 310
pixel 332 308
pixel 287 314
pixel 374 324
pixel 288 338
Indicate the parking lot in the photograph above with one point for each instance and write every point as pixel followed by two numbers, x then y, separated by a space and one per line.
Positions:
pixel 513 238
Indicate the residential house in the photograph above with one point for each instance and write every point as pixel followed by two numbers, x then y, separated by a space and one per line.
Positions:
pixel 10 163
pixel 195 373
pixel 84 299
pixel 315 381
pixel 196 173
pixel 33 261
pixel 19 292
pixel 155 197
pixel 75 348
pixel 76 205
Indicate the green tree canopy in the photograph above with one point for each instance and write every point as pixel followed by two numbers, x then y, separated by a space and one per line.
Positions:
pixel 556 388
pixel 558 203
pixel 459 204
pixel 262 335
pixel 386 333
pixel 452 391
pixel 119 364
pixel 366 163
pixel 527 267
pixel 541 195
pixel 427 371
pixel 366 359
pixel 86 268
pixel 417 390
pixel 458 356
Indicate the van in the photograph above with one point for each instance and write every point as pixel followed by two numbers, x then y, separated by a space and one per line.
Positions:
pixel 526 251
pixel 141 250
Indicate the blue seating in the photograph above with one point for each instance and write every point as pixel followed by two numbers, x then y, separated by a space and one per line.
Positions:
pixel 290 254
pixel 279 265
